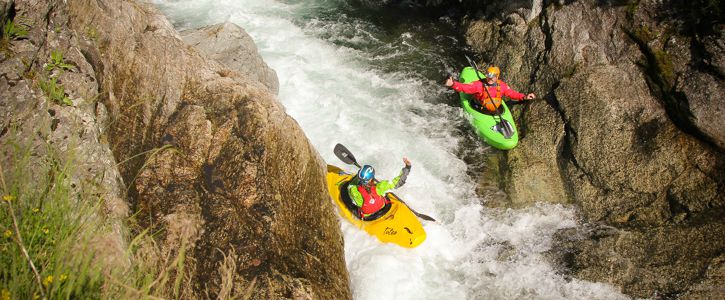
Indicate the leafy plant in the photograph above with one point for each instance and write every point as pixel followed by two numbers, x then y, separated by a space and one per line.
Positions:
pixel 51 87
pixel 51 227
pixel 57 62
pixel 55 91
pixel 12 31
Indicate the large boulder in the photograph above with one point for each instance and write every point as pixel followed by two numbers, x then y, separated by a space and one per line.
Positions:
pixel 225 180
pixel 233 47
pixel 629 132
pixel 221 161
pixel 639 259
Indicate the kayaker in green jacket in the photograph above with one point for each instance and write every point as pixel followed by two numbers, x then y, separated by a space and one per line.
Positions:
pixel 366 191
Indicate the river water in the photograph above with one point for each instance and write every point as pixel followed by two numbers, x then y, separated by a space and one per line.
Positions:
pixel 371 80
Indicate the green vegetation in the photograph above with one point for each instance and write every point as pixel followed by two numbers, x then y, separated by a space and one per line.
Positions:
pixel 664 64
pixel 55 91
pixel 658 60
pixel 632 8
pixel 643 33
pixel 45 245
pixel 52 233
pixel 12 31
pixel 57 62
pixel 92 33
pixel 51 87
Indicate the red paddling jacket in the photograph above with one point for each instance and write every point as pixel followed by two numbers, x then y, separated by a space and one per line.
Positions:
pixel 497 91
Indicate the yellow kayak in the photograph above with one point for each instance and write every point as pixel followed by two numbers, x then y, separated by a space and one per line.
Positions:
pixel 395 223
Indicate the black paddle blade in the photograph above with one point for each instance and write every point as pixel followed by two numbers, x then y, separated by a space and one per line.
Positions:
pixel 422 216
pixel 506 129
pixel 470 62
pixel 344 155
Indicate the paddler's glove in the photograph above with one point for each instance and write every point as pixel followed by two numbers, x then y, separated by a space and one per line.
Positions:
pixel 406 162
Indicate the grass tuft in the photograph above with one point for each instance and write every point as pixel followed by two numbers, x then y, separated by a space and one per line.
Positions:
pixel 49 233
pixel 44 251
pixel 51 87
pixel 50 230
pixel 55 91
pixel 12 31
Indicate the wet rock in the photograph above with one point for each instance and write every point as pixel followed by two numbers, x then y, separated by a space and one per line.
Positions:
pixel 711 287
pixel 233 47
pixel 658 261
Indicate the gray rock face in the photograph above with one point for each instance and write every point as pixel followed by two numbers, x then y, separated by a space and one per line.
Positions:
pixel 630 133
pixel 206 154
pixel 33 124
pixel 638 259
pixel 233 47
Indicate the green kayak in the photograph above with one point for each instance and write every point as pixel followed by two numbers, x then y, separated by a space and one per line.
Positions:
pixel 498 131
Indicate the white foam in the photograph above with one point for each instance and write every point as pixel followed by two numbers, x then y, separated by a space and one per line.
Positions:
pixel 337 97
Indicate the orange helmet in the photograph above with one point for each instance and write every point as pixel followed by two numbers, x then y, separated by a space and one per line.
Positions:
pixel 493 71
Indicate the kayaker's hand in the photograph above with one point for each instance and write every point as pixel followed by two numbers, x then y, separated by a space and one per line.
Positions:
pixel 406 161
pixel 449 81
pixel 530 96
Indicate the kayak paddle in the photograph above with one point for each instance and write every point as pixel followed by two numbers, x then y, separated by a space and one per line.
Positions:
pixel 346 156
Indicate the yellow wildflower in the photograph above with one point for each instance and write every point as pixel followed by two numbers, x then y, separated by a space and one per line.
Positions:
pixel 5 295
pixel 36 210
pixel 48 280
pixel 63 277
pixel 45 230
pixel 8 233
pixel 8 198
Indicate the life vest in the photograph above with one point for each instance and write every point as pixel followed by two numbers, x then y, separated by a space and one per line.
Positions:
pixel 372 202
pixel 486 102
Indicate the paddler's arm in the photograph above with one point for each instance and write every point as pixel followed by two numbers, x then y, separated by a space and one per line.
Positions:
pixel 513 94
pixel 397 182
pixel 468 88
pixel 355 195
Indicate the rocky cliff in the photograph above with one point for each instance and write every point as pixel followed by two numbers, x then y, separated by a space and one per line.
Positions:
pixel 199 152
pixel 630 131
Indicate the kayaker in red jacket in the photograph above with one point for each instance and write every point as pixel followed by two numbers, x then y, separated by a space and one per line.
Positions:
pixel 496 89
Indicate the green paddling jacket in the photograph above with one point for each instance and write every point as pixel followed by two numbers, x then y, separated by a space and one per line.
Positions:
pixel 381 187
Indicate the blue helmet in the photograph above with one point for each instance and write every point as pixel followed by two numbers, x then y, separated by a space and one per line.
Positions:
pixel 366 173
